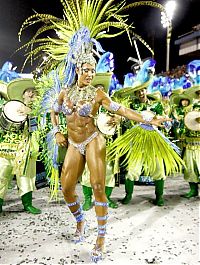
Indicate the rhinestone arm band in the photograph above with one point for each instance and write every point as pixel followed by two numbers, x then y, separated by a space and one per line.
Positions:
pixel 55 130
pixel 114 106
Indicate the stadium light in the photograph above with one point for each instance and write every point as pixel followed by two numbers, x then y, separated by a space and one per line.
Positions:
pixel 166 21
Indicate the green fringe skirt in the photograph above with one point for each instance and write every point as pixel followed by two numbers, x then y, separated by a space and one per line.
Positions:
pixel 147 145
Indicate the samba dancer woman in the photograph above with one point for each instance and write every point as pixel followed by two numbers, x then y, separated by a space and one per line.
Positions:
pixel 80 103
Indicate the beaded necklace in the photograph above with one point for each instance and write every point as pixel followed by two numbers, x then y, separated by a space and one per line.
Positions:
pixel 76 94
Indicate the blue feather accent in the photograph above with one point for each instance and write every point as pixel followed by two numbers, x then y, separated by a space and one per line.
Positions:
pixel 114 85
pixel 52 148
pixel 143 74
pixel 51 95
pixel 105 63
pixel 97 45
pixel 7 74
pixel 129 80
pixel 193 69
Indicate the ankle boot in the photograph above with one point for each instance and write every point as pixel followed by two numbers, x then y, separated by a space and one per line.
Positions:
pixel 87 192
pixel 27 203
pixel 111 203
pixel 159 187
pixel 129 185
pixel 1 205
pixel 193 190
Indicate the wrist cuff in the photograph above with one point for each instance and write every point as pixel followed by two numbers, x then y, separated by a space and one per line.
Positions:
pixel 55 130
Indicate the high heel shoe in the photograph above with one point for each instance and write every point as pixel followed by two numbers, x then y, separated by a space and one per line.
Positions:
pixel 80 217
pixel 79 235
pixel 96 254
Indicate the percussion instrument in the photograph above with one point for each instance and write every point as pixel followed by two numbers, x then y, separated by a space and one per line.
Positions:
pixel 103 126
pixel 192 120
pixel 10 118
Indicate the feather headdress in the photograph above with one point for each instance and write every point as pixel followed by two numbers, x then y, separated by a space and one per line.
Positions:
pixel 97 16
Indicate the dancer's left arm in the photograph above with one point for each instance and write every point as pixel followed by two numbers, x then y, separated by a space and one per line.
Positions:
pixel 128 113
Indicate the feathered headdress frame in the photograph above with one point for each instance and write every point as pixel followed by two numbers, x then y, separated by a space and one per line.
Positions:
pixel 96 15
pixel 99 16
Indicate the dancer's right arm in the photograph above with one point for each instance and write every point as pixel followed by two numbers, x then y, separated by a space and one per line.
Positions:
pixel 60 138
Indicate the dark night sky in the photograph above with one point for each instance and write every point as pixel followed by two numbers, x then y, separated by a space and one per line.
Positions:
pixel 146 21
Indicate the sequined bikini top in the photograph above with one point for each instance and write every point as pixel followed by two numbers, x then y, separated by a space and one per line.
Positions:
pixel 79 100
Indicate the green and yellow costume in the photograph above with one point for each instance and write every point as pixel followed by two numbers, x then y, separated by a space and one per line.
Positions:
pixel 146 150
pixel 18 155
pixel 191 154
pixel 178 113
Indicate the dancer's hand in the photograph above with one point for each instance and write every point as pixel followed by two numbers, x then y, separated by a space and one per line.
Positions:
pixel 113 120
pixel 159 121
pixel 60 139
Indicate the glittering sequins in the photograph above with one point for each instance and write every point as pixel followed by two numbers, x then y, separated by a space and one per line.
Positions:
pixel 76 95
pixel 82 146
pixel 79 100
pixel 66 110
pixel 85 109
pixel 147 127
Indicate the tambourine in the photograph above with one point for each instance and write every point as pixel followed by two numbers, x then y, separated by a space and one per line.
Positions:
pixel 192 119
pixel 102 124
pixel 10 118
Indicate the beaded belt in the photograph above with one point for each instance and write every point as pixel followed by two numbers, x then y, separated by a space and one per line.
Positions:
pixel 82 146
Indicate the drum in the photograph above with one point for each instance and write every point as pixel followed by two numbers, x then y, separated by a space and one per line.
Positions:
pixel 10 118
pixel 102 124
pixel 192 120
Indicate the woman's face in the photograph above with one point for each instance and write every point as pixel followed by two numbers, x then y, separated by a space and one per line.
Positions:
pixel 85 74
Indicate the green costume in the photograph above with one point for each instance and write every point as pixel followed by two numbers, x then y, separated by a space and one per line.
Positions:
pixel 18 155
pixel 190 137
pixel 178 114
pixel 146 150
pixel 192 159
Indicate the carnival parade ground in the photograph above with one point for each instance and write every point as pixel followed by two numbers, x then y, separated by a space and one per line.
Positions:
pixel 137 233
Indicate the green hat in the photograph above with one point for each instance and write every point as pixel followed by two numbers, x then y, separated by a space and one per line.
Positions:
pixel 17 87
pixel 175 98
pixel 3 90
pixel 177 91
pixel 130 91
pixel 157 96
pixel 192 91
pixel 102 79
